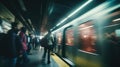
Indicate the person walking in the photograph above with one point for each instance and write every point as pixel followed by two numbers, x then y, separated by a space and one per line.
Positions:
pixel 48 44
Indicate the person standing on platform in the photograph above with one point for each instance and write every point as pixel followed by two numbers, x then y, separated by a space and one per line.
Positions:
pixel 29 44
pixel 11 50
pixel 24 45
pixel 48 44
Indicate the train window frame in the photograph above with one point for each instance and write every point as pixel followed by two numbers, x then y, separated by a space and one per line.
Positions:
pixel 68 37
pixel 59 37
pixel 95 36
pixel 59 48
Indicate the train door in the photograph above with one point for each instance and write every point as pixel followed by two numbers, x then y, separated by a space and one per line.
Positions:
pixel 68 43
pixel 86 55
pixel 59 37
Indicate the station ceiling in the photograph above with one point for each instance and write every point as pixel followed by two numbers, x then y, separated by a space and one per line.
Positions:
pixel 41 15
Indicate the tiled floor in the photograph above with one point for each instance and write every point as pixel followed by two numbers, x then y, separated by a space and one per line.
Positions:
pixel 36 60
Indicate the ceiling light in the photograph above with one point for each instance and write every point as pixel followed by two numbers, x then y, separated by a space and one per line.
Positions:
pixel 86 3
pixel 22 5
pixel 74 12
pixel 91 12
pixel 118 19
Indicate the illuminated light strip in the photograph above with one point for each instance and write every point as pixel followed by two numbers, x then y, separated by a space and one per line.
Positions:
pixel 88 52
pixel 86 3
pixel 91 12
pixel 22 5
pixel 61 21
pixel 107 10
pixel 6 23
pixel 7 27
pixel 29 21
pixel 86 27
pixel 80 8
pixel 98 11
pixel 116 20
pixel 111 25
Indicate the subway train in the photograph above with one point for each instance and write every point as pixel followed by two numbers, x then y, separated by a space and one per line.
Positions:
pixel 92 39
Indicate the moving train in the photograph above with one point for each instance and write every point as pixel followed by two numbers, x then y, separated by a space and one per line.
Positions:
pixel 92 39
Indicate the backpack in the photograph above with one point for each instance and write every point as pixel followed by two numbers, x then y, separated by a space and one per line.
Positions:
pixel 44 42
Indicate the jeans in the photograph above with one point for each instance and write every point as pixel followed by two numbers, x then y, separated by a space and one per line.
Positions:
pixel 11 62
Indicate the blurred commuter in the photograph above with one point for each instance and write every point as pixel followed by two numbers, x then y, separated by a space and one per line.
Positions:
pixel 33 42
pixel 48 46
pixel 29 44
pixel 53 48
pixel 36 42
pixel 23 37
pixel 12 48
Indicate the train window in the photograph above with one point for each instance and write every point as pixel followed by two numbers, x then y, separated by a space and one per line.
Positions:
pixel 59 42
pixel 59 38
pixel 112 33
pixel 87 37
pixel 69 37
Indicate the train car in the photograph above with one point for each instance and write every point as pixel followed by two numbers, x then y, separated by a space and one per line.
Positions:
pixel 92 39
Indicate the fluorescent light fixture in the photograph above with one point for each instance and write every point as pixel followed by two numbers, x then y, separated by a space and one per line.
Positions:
pixel 22 5
pixel 29 21
pixel 86 27
pixel 62 21
pixel 4 23
pixel 7 27
pixel 118 19
pixel 107 10
pixel 111 25
pixel 22 17
pixel 86 3
pixel 93 11
pixel 41 37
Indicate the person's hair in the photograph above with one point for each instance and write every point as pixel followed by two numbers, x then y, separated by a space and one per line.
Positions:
pixel 14 24
pixel 23 29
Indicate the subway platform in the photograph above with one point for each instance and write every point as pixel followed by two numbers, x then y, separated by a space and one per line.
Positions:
pixel 35 60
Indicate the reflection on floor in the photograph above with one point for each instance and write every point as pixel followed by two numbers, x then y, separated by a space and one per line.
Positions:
pixel 36 60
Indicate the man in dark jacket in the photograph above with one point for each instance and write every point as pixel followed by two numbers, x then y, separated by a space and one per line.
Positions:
pixel 11 46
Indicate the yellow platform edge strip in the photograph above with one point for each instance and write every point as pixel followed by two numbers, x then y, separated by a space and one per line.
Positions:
pixel 60 62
